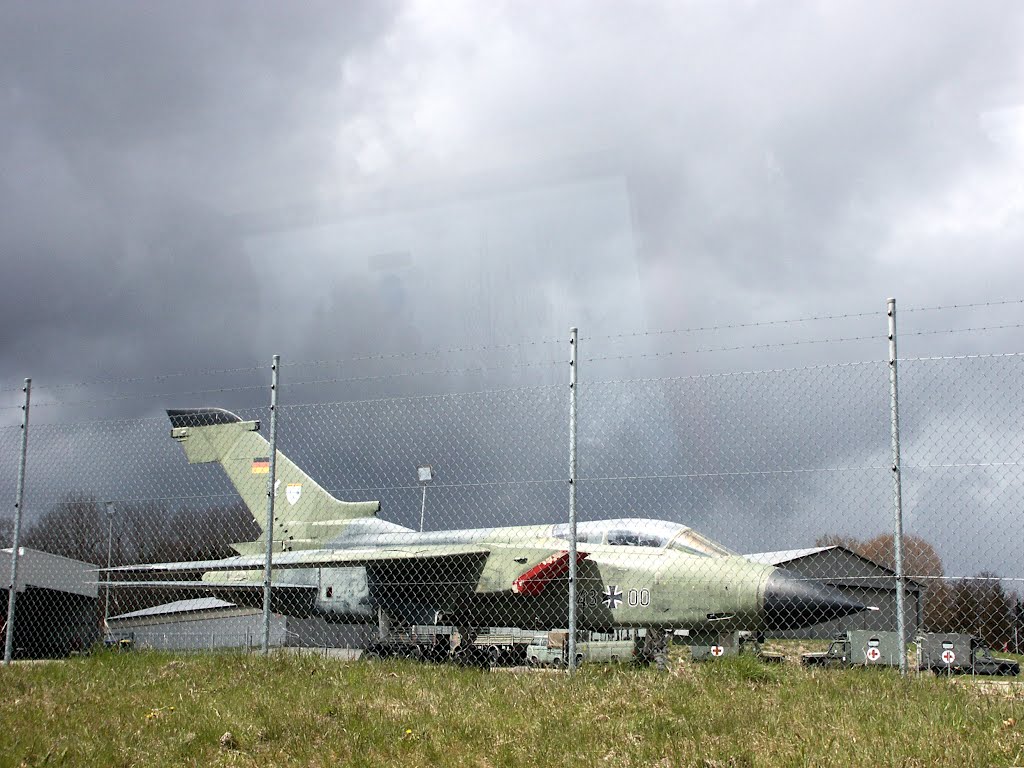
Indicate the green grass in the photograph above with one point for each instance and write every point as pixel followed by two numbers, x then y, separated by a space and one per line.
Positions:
pixel 150 709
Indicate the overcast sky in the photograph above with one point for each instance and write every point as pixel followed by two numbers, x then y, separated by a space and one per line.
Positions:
pixel 194 185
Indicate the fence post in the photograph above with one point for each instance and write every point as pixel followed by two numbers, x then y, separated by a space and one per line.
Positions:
pixel 573 360
pixel 19 495
pixel 897 491
pixel 275 365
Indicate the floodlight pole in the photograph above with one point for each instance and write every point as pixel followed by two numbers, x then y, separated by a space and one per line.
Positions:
pixel 19 496
pixel 110 541
pixel 269 530
pixel 425 475
pixel 897 490
pixel 573 360
pixel 423 508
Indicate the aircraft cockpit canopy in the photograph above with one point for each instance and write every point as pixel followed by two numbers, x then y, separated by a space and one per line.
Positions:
pixel 639 532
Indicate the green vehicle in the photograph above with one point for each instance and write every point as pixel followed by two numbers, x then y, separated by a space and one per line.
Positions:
pixel 338 559
pixel 550 651
pixel 858 648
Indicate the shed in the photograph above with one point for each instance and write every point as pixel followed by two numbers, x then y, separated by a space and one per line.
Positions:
pixel 858 578
pixel 57 609
pixel 209 622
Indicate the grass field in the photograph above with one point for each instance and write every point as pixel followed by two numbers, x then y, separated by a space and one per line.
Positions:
pixel 150 709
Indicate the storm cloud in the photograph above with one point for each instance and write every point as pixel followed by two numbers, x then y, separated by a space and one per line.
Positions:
pixel 197 187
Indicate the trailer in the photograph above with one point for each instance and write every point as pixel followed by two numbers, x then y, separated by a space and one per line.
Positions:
pixel 960 654
pixel 732 644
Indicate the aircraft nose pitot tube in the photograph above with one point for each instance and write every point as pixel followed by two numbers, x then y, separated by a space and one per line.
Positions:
pixel 792 601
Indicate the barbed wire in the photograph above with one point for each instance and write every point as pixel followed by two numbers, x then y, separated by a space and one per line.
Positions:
pixel 727 374
pixel 735 326
pixel 976 356
pixel 412 374
pixel 115 500
pixel 420 398
pixel 154 378
pixel 434 486
pixel 744 347
pixel 963 465
pixel 122 396
pixel 425 353
pixel 962 306
pixel 746 473
pixel 936 332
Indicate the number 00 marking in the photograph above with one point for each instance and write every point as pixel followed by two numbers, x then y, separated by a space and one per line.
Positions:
pixel 638 597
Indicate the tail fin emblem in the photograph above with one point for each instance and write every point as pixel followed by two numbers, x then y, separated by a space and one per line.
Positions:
pixel 292 492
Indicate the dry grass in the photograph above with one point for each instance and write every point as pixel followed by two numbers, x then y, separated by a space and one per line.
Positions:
pixel 147 709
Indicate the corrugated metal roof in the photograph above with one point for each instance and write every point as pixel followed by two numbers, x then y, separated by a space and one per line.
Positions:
pixel 785 555
pixel 48 571
pixel 178 606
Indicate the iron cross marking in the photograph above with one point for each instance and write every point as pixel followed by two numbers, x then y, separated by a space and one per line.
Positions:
pixel 612 596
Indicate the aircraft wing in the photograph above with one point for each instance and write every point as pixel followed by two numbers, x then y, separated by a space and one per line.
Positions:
pixel 313 558
pixel 202 586
pixel 494 568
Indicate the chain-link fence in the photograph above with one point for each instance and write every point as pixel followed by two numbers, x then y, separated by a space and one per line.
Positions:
pixel 423 509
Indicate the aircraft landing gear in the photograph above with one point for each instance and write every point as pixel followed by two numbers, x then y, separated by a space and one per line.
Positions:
pixel 467 653
pixel 653 649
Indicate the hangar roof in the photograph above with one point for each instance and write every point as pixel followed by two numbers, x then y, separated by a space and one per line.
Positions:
pixel 178 606
pixel 840 566
pixel 785 555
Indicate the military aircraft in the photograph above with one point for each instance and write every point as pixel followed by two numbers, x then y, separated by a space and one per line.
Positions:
pixel 339 560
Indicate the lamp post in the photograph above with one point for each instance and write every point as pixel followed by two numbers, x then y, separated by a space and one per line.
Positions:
pixel 110 541
pixel 424 473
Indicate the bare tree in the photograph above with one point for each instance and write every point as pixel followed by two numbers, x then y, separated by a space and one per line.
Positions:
pixel 6 531
pixel 75 528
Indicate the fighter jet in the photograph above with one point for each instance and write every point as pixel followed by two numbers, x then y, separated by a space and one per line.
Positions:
pixel 340 560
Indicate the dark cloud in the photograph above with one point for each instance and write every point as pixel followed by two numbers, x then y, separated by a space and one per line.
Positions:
pixel 199 186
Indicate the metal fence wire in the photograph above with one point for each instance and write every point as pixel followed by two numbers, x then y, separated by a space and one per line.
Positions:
pixel 718 511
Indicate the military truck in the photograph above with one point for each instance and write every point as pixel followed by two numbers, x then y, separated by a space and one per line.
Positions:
pixel 550 650
pixel 440 644
pixel 858 648
pixel 960 654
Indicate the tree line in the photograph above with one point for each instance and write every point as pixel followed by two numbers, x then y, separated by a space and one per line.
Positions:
pixel 137 531
pixel 79 527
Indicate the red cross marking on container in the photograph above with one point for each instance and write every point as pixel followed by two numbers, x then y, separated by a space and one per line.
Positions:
pixel 874 654
pixel 948 657
pixel 717 650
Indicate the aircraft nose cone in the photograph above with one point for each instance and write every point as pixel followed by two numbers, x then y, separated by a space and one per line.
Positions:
pixel 792 601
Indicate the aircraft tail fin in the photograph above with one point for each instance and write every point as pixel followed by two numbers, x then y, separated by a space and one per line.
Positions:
pixel 305 515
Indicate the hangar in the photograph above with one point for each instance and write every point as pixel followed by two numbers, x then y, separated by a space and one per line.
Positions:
pixel 858 578
pixel 57 611
pixel 207 623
